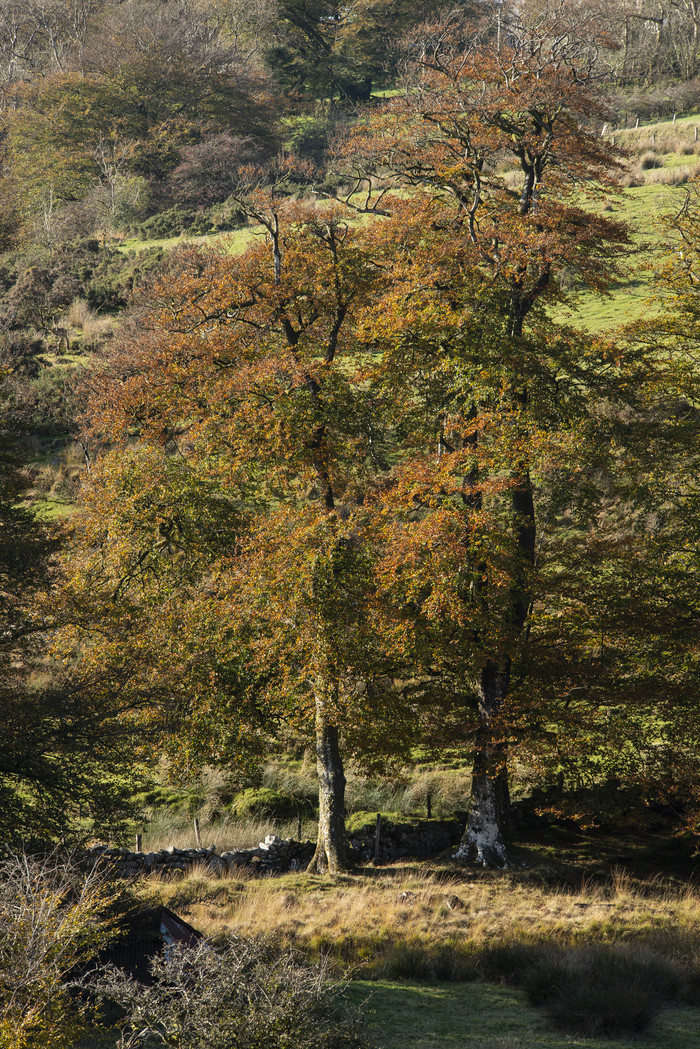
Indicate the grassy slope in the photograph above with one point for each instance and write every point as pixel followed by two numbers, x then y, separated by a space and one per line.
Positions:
pixel 642 207
pixel 234 241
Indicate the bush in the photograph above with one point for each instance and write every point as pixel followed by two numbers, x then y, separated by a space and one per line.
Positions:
pixel 597 1009
pixel 54 401
pixel 649 160
pixel 421 960
pixel 245 994
pixel 263 801
pixel 170 223
pixel 53 917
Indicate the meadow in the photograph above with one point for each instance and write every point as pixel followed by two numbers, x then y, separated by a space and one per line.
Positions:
pixel 443 956
pixel 438 955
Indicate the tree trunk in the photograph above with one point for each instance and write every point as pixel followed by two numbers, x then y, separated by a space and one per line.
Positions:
pixel 485 838
pixel 488 828
pixel 330 847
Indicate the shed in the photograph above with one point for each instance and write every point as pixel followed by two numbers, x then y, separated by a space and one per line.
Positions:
pixel 143 935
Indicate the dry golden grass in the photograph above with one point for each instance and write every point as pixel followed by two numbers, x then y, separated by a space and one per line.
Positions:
pixel 93 328
pixel 404 917
pixel 79 314
pixel 224 834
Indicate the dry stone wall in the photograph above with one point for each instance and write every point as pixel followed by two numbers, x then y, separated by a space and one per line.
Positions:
pixel 277 855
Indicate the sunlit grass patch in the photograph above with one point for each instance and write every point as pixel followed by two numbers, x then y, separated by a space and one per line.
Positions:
pixel 431 921
pixel 631 297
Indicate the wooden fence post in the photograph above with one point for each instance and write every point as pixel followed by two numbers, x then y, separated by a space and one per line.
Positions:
pixel 138 842
pixel 197 835
pixel 430 806
pixel 377 839
pixel 299 828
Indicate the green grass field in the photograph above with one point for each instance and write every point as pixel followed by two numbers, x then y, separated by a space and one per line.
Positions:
pixel 644 208
pixel 234 241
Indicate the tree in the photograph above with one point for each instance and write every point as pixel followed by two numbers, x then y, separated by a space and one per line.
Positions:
pixel 503 393
pixel 67 132
pixel 143 609
pixel 248 369
pixel 214 169
pixel 325 48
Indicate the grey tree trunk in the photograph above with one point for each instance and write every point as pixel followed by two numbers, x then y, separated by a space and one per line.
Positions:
pixel 485 838
pixel 330 846
pixel 486 835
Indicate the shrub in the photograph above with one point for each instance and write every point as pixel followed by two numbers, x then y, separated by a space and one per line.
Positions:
pixel 409 960
pixel 245 994
pixel 54 401
pixel 20 353
pixel 169 223
pixel 263 801
pixel 53 917
pixel 650 159
pixel 594 1008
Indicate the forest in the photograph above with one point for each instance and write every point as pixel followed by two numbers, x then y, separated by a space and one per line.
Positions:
pixel 349 443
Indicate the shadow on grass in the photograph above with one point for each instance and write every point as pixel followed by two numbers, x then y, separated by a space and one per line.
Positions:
pixel 483 1016
pixel 596 989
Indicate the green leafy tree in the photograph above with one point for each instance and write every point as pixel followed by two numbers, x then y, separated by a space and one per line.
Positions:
pixel 328 50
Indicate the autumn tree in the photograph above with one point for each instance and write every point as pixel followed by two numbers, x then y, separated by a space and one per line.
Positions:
pixel 142 611
pixel 495 138
pixel 249 370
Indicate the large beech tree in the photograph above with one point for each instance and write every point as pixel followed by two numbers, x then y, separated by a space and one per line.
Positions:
pixel 496 139
pixel 246 370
